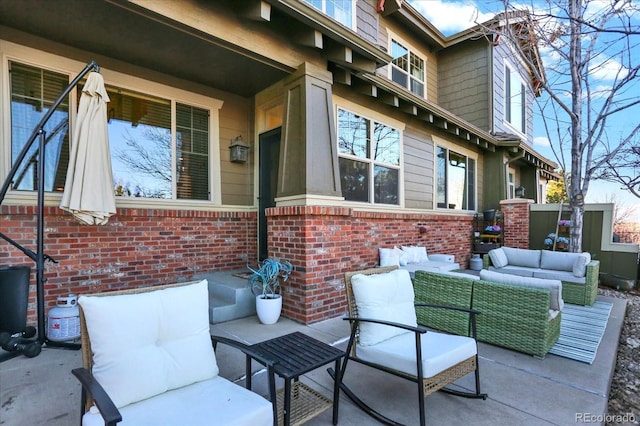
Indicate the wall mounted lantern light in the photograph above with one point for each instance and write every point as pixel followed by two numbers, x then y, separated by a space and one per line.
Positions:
pixel 520 192
pixel 238 150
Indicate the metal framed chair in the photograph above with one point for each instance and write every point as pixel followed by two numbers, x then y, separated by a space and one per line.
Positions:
pixel 148 358
pixel 385 335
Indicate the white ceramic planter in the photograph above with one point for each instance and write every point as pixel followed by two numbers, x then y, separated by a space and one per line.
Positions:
pixel 268 310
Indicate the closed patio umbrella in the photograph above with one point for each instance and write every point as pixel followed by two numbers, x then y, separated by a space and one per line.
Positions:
pixel 88 191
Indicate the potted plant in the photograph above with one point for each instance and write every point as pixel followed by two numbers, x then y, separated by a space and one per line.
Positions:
pixel 265 285
pixel 561 242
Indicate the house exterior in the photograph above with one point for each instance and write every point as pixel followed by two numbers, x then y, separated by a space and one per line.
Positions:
pixel 365 127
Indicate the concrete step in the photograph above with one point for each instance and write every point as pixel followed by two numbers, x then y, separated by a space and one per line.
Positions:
pixel 229 296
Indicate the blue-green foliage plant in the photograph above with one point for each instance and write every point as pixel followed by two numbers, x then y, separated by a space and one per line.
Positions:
pixel 265 280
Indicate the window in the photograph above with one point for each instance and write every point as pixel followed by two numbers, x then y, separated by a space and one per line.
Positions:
pixel 141 145
pixel 455 180
pixel 33 91
pixel 340 10
pixel 369 158
pixel 160 148
pixel 512 184
pixel 407 69
pixel 515 100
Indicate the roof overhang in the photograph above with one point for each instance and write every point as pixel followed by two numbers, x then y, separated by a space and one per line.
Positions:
pixel 339 44
pixel 389 93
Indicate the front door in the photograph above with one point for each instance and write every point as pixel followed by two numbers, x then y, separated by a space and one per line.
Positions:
pixel 268 175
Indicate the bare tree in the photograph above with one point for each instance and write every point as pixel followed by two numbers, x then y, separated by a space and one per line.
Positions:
pixel 624 169
pixel 590 76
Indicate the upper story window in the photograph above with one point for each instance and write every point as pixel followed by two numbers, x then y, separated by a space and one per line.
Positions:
pixel 515 104
pixel 455 180
pixel 407 68
pixel 342 11
pixel 160 148
pixel 369 158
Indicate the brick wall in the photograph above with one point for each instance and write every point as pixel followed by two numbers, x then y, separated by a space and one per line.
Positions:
pixel 516 222
pixel 144 247
pixel 138 247
pixel 324 242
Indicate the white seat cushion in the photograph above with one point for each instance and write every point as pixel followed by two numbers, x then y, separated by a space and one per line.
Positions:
pixel 213 401
pixel 550 274
pixel 389 297
pixel 439 352
pixel 522 271
pixel 148 343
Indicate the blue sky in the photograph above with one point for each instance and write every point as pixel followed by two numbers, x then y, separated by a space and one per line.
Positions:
pixel 453 16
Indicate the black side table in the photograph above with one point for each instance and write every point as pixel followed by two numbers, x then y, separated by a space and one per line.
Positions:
pixel 294 355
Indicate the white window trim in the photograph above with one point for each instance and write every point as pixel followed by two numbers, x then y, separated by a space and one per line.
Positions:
pixel 393 36
pixel 17 53
pixel 342 103
pixel 438 141
pixel 512 69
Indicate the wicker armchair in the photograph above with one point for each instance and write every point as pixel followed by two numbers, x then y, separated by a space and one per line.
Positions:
pixel 148 359
pixel 414 362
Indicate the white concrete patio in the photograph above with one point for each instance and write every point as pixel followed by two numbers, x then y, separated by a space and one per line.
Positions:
pixel 522 389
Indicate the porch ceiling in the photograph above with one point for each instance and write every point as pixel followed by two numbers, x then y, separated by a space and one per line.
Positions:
pixel 148 41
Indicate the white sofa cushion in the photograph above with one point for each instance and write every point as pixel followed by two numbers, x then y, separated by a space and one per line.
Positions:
pixel 498 258
pixel 580 264
pixel 515 270
pixel 554 286
pixel 439 352
pixel 148 343
pixel 550 274
pixel 213 401
pixel 430 266
pixel 417 254
pixel 558 260
pixel 522 257
pixel 388 257
pixel 388 296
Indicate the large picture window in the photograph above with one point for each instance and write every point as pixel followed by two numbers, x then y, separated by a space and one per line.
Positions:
pixel 369 159
pixel 342 11
pixel 160 148
pixel 142 151
pixel 515 100
pixel 455 180
pixel 407 68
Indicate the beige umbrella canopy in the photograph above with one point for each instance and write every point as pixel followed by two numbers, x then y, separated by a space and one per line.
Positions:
pixel 88 191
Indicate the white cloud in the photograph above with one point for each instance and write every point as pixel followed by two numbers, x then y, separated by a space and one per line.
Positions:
pixel 608 70
pixel 451 16
pixel 541 141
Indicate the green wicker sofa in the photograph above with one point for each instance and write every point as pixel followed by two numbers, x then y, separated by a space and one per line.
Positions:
pixel 514 317
pixel 577 288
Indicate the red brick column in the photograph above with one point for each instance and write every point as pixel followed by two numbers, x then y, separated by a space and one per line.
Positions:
pixel 317 241
pixel 516 222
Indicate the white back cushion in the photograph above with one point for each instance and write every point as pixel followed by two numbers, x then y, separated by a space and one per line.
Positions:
pixel 580 264
pixel 498 258
pixel 145 344
pixel 388 296
pixel 555 286
pixel 416 254
pixel 388 257
pixel 557 260
pixel 522 257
